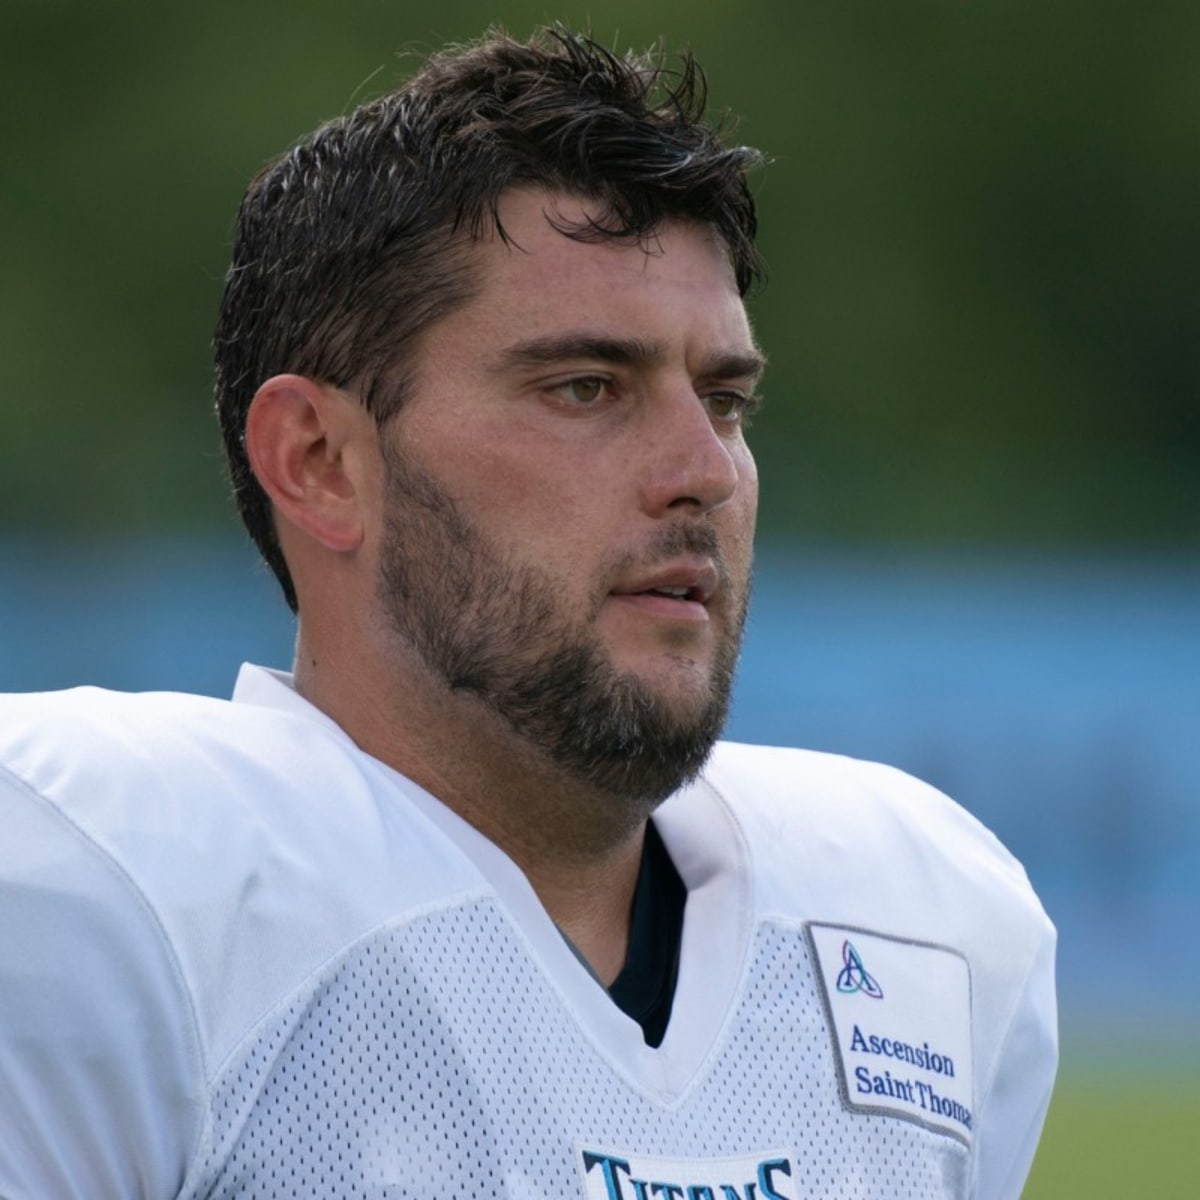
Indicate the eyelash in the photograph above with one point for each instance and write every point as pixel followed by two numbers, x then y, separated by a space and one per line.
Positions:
pixel 745 406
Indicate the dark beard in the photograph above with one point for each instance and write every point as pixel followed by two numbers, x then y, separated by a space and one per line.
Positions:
pixel 493 629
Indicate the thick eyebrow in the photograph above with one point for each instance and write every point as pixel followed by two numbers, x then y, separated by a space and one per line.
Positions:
pixel 628 352
pixel 546 351
pixel 738 364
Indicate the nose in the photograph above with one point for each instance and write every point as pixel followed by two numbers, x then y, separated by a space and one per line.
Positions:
pixel 690 463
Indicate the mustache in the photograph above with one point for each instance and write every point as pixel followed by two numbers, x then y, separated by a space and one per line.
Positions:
pixel 684 538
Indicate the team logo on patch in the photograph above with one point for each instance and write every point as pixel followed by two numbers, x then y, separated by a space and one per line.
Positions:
pixel 854 977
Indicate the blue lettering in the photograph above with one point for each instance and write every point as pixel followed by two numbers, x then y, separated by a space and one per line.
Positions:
pixel 766 1170
pixel 610 1167
pixel 886 1047
pixel 729 1192
pixel 668 1190
pixel 943 1106
pixel 864 1080
pixel 700 1192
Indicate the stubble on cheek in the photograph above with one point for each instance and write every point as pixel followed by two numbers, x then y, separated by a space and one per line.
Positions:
pixel 507 633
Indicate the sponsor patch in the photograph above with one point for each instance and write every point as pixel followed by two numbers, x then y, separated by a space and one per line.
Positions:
pixel 900 1016
pixel 610 1175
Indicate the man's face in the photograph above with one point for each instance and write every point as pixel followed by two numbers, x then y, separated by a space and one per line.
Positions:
pixel 569 500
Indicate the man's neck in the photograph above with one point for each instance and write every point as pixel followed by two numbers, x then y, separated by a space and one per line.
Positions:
pixel 580 849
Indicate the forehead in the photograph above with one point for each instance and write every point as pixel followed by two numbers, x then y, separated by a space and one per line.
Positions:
pixel 541 222
pixel 545 270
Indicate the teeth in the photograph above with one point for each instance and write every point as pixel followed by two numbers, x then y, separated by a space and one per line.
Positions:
pixel 679 593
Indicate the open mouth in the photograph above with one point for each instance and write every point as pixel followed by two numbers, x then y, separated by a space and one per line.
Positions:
pixel 673 602
pixel 682 590
pixel 673 593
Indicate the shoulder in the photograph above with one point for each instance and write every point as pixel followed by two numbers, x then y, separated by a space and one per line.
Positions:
pixel 170 785
pixel 803 785
pixel 172 869
pixel 217 826
pixel 100 754
pixel 209 778
pixel 872 835
pixel 92 984
pixel 859 846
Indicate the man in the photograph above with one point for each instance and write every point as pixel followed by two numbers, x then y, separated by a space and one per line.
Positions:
pixel 400 924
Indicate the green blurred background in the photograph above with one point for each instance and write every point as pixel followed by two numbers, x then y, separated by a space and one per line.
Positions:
pixel 981 224
pixel 982 314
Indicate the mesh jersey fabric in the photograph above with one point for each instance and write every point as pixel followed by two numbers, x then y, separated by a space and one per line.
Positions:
pixel 431 1060
pixel 241 958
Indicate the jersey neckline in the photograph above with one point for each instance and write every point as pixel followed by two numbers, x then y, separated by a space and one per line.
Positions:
pixel 708 848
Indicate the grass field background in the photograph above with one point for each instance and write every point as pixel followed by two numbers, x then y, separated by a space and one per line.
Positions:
pixel 1121 1134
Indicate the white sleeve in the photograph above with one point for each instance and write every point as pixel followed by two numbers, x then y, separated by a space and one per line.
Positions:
pixel 100 1075
pixel 1015 1098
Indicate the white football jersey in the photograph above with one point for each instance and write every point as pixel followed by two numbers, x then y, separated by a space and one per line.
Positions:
pixel 238 957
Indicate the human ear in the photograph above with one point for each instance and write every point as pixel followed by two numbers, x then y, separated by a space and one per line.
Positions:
pixel 304 442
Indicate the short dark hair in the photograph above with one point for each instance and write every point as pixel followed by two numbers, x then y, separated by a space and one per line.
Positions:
pixel 350 245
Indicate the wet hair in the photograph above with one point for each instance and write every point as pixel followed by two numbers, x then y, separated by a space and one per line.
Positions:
pixel 358 239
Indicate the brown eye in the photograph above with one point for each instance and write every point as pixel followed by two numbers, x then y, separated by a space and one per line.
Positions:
pixel 729 406
pixel 586 390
